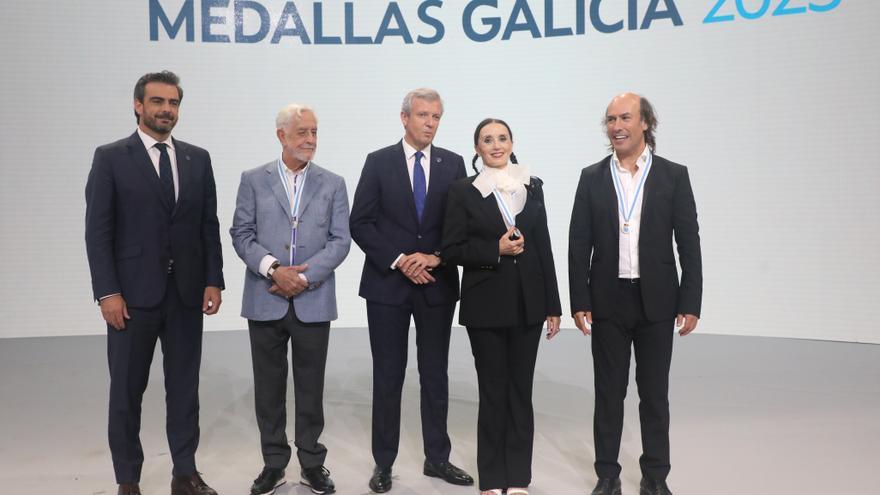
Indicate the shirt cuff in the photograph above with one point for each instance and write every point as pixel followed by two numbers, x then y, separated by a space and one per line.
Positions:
pixel 265 263
pixel 396 260
pixel 108 295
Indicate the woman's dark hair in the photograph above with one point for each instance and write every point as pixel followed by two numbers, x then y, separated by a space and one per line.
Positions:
pixel 480 126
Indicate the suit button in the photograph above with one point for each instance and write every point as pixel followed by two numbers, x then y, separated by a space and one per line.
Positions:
pixel 419 236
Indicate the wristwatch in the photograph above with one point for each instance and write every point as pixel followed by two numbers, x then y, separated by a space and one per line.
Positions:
pixel 272 269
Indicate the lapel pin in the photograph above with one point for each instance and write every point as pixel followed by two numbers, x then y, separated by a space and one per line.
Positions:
pixel 187 157
pixel 439 159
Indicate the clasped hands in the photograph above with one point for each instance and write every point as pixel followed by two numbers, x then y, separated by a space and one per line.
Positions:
pixel 417 267
pixel 288 282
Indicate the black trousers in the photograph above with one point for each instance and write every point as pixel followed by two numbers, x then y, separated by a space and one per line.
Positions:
pixel 308 343
pixel 389 333
pixel 612 340
pixel 130 353
pixel 505 361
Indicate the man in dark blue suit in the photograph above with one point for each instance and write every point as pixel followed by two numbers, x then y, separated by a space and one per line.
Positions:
pixel 397 220
pixel 153 244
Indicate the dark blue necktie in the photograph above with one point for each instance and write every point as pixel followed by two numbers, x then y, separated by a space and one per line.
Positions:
pixel 165 176
pixel 420 188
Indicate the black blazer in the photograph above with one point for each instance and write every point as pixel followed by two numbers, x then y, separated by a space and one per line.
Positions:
pixel 489 286
pixel 668 209
pixel 384 224
pixel 132 230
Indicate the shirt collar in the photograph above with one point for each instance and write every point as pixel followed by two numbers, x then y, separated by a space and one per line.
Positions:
pixel 641 161
pixel 409 152
pixel 149 142
pixel 289 172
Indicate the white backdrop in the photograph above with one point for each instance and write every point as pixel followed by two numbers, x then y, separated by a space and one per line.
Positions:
pixel 775 116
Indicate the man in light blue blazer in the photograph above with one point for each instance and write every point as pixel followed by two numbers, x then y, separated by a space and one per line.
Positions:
pixel 291 230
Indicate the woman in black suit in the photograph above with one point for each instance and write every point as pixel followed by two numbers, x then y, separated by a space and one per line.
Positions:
pixel 496 228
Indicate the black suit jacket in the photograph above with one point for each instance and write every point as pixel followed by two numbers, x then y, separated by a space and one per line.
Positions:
pixel 132 231
pixel 668 210
pixel 384 224
pixel 490 283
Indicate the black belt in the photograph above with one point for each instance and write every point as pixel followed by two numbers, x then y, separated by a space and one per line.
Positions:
pixel 629 281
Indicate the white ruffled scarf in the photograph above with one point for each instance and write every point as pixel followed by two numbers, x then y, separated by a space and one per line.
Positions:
pixel 510 182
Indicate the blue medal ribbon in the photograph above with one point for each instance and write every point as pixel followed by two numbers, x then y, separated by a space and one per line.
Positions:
pixel 297 196
pixel 618 186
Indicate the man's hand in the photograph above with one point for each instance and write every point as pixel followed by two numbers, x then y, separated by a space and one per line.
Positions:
pixel 416 267
pixel 211 300
pixel 287 280
pixel 686 324
pixel 506 247
pixel 114 311
pixel 552 326
pixel 584 321
pixel 414 264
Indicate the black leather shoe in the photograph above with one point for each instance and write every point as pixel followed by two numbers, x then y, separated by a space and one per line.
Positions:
pixel 607 486
pixel 318 479
pixel 190 485
pixel 653 487
pixel 268 480
pixel 380 482
pixel 129 489
pixel 448 473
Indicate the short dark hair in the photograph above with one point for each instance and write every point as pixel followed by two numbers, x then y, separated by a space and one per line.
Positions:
pixel 480 126
pixel 649 117
pixel 165 77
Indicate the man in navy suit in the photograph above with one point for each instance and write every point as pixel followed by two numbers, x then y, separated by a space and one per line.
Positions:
pixel 627 210
pixel 397 220
pixel 153 244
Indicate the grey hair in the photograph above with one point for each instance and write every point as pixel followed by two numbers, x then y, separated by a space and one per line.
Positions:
pixel 426 94
pixel 286 114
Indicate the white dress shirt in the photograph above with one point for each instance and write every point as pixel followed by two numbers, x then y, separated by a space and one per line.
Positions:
pixel 410 154
pixel 153 151
pixel 628 244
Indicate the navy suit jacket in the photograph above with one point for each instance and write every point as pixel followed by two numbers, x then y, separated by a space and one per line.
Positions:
pixel 384 224
pixel 668 211
pixel 132 231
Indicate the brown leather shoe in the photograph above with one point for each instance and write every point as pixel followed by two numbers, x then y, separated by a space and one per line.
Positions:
pixel 190 485
pixel 129 489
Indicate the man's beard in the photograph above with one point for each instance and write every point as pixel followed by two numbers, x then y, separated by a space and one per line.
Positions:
pixel 153 124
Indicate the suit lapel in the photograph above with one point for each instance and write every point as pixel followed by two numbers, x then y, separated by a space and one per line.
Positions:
pixel 184 174
pixel 612 200
pixel 489 207
pixel 314 178
pixel 274 182
pixel 649 190
pixel 400 172
pixel 437 181
pixel 144 165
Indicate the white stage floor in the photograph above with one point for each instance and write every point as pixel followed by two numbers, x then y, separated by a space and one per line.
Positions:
pixel 749 416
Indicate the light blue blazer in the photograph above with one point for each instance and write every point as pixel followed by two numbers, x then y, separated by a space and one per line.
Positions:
pixel 261 226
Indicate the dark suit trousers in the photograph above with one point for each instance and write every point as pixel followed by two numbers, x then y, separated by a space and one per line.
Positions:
pixel 308 343
pixel 130 352
pixel 505 361
pixel 389 333
pixel 612 340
